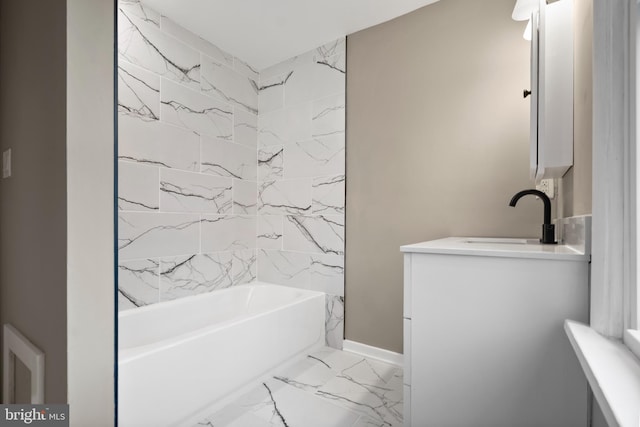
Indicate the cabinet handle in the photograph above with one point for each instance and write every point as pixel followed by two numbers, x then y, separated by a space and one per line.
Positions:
pixel 526 93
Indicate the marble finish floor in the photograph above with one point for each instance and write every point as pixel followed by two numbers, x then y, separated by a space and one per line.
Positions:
pixel 327 388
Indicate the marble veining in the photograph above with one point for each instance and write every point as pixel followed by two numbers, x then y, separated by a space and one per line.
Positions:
pixel 188 192
pixel 321 233
pixel 194 274
pixel 270 163
pixel 138 283
pixel 231 87
pixel 284 197
pixel 325 388
pixel 334 321
pixel 138 92
pixel 145 45
pixel 328 195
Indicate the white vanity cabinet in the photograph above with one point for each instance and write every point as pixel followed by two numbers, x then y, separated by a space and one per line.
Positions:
pixel 551 138
pixel 484 343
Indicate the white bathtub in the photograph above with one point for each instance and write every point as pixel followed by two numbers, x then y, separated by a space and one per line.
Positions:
pixel 177 358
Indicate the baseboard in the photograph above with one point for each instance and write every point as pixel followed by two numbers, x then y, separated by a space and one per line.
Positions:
pixel 374 352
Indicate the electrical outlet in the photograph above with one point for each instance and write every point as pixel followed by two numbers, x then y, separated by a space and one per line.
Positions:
pixel 6 163
pixel 547 186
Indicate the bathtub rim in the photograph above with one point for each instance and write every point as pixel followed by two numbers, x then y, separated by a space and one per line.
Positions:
pixel 130 354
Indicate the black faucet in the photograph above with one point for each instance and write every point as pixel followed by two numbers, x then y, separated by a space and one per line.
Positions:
pixel 548 229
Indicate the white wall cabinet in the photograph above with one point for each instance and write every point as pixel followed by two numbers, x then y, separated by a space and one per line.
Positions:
pixel 551 90
pixel 484 341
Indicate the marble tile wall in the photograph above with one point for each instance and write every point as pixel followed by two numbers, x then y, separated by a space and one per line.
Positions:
pixel 187 159
pixel 301 177
pixel 227 174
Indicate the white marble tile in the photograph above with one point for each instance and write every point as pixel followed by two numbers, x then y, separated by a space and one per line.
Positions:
pixel 285 126
pixel 194 192
pixel 332 48
pixel 318 233
pixel 366 386
pixel 287 406
pixel 136 9
pixel 124 303
pixel 246 70
pixel 224 83
pixel 271 93
pixel 328 195
pixel 300 86
pixel 137 187
pixel 327 274
pixel 270 229
pixel 328 116
pixel 195 111
pixel 228 232
pixel 245 128
pixel 138 92
pixel 157 144
pixel 245 267
pixel 284 268
pixel 196 42
pixel 138 283
pixel 282 68
pixel 245 197
pixel 194 274
pixel 143 44
pixel 285 197
pixel 326 388
pixel 270 163
pixel 151 235
pixel 329 75
pixel 334 321
pixel 317 157
pixel 225 158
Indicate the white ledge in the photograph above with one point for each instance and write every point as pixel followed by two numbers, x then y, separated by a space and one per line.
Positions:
pixel 612 371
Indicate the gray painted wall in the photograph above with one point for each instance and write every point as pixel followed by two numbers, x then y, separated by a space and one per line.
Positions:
pixel 33 261
pixel 437 133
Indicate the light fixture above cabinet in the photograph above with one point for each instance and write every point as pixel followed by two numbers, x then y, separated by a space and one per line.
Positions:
pixel 551 133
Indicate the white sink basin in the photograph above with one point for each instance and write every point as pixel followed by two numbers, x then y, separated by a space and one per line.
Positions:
pixel 500 240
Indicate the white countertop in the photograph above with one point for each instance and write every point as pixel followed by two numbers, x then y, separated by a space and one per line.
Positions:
pixel 498 247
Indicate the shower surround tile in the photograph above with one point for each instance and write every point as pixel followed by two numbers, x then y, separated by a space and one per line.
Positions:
pixel 228 232
pixel 149 235
pixel 285 126
pixel 195 274
pixel 327 274
pixel 245 267
pixel 144 44
pixel 193 192
pixel 271 163
pixel 170 27
pixel 328 195
pixel 156 143
pixel 270 230
pixel 319 234
pixel 285 197
pixel 138 92
pixel 245 128
pixel 226 84
pixel 320 157
pixel 225 158
pixel 134 8
pixel 334 321
pixel 195 111
pixel 245 197
pixel 284 268
pixel 138 283
pixel 328 116
pixel 138 187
